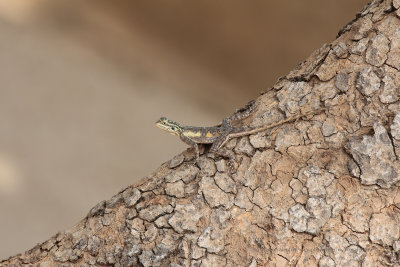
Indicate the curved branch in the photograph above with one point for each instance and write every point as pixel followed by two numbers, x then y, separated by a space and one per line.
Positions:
pixel 320 190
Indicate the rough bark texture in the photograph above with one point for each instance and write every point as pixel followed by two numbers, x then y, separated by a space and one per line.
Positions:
pixel 321 191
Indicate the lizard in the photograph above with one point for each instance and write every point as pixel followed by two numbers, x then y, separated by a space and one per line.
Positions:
pixel 220 134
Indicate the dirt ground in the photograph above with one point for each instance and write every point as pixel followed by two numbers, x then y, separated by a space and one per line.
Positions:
pixel 82 85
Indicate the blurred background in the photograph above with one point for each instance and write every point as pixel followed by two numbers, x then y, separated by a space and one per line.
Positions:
pixel 82 83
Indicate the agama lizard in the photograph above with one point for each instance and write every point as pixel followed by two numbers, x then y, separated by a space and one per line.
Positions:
pixel 216 135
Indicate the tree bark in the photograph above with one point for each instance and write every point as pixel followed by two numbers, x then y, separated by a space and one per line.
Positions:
pixel 319 191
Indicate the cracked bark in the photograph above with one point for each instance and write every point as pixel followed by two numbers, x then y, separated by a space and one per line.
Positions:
pixel 323 190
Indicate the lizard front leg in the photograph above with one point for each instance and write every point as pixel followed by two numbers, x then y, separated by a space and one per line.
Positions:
pixel 191 143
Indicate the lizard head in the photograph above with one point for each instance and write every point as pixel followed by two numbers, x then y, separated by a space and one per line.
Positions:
pixel 169 126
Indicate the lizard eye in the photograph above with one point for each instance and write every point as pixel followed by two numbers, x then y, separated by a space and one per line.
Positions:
pixel 173 128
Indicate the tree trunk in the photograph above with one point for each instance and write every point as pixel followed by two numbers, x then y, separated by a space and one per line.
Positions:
pixel 319 191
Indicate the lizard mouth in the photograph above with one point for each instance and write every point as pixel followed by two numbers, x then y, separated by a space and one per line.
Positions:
pixel 162 126
pixel 166 128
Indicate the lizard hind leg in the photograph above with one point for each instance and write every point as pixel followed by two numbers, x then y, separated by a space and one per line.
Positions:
pixel 226 153
pixel 240 114
pixel 217 149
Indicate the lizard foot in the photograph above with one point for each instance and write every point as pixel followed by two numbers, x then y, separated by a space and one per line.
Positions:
pixel 225 153
pixel 232 166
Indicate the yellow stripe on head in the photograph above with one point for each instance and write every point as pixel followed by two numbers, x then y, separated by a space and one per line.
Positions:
pixel 169 126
